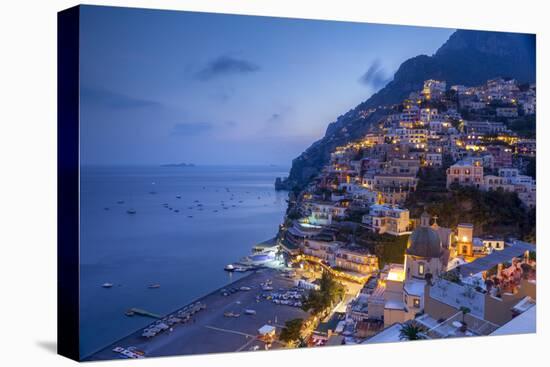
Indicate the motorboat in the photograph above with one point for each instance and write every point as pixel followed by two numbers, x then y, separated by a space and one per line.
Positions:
pixel 229 267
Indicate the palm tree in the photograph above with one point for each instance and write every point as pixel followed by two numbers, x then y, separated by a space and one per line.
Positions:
pixel 410 331
pixel 464 310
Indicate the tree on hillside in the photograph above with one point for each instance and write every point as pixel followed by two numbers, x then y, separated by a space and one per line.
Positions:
pixel 411 331
pixel 292 331
pixel 330 292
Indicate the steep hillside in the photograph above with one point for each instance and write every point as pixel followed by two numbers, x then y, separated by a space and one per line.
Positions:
pixel 468 58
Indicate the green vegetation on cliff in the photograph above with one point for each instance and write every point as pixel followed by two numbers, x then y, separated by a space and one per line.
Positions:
pixel 494 212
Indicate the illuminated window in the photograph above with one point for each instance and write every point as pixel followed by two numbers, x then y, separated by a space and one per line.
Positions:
pixel 416 303
pixel 421 269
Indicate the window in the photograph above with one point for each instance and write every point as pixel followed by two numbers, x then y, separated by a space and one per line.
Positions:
pixel 421 269
pixel 416 303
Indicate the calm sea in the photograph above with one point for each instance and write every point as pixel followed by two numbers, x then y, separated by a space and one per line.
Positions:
pixel 184 254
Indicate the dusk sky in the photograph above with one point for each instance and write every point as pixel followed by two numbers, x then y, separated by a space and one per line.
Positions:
pixel 166 87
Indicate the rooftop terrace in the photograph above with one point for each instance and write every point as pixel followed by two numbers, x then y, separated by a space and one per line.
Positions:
pixel 517 249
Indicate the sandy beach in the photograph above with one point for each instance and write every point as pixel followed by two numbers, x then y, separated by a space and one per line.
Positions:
pixel 212 332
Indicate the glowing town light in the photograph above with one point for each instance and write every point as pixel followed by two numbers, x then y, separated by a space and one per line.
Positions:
pixel 397 276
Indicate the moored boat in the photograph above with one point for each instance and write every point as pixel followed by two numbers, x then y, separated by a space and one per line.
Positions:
pixel 229 267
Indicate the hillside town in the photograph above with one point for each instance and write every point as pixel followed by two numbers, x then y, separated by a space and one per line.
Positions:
pixel 425 226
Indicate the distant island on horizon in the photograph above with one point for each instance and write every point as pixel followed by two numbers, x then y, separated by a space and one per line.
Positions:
pixel 178 165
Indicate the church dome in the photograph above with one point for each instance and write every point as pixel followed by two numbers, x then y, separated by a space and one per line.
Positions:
pixel 424 242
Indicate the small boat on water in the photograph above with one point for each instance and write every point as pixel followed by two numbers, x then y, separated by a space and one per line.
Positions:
pixel 153 286
pixel 129 313
pixel 176 210
pixel 107 285
pixel 131 211
pixel 178 196
pixel 229 267
pixel 120 202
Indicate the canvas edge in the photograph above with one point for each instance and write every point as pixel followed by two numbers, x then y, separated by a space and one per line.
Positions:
pixel 68 26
